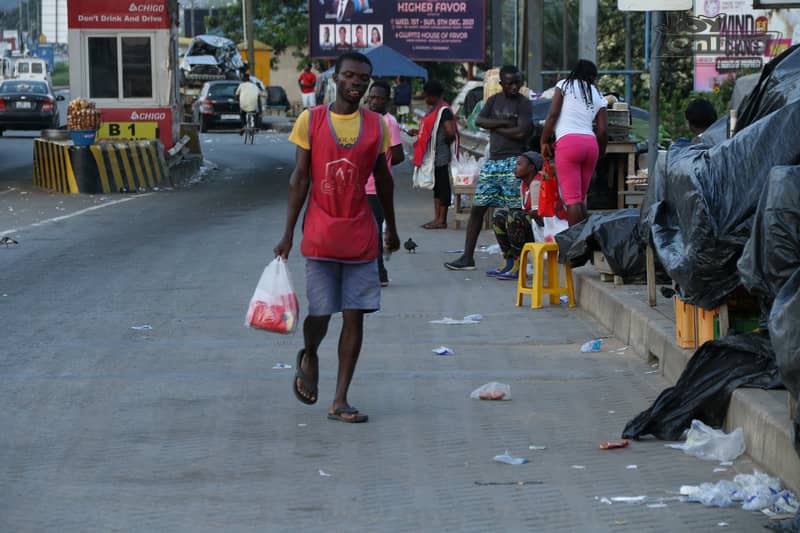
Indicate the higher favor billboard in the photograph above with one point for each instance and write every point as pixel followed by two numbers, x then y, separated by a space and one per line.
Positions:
pixel 422 30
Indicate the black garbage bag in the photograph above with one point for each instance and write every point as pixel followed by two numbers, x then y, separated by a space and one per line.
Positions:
pixel 700 208
pixel 615 235
pixel 704 389
pixel 784 329
pixel 779 84
pixel 772 254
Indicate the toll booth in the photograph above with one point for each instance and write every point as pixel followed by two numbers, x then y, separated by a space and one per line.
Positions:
pixel 123 55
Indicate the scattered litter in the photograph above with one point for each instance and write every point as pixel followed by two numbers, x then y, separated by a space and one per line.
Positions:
pixel 620 350
pixel 301 425
pixel 592 346
pixel 719 469
pixel 455 252
pixel 652 372
pixel 722 524
pixel 614 444
pixel 537 448
pixel 726 463
pixel 578 467
pixel 628 499
pixel 712 444
pixel 756 491
pixel 492 391
pixel 632 467
pixel 564 299
pixel 467 279
pixel 493 249
pixel 143 327
pixel 606 501
pixel 499 483
pixel 324 473
pixel 469 319
pixel 509 460
pixel 619 522
pixel 443 350
pixel 659 505
pixel 281 366
pixel 611 412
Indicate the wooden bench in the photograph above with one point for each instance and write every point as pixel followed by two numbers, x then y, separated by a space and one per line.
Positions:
pixel 461 211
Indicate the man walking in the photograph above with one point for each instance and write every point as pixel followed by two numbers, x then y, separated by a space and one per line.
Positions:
pixel 307 82
pixel 337 148
pixel 507 116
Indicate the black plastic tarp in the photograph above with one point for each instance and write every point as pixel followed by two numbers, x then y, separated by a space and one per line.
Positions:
pixel 704 389
pixel 779 84
pixel 615 235
pixel 701 202
pixel 784 329
pixel 772 254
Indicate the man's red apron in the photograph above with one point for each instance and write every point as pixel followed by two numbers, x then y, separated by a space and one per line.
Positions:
pixel 339 224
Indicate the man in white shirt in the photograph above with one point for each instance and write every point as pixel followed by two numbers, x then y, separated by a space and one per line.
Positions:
pixel 248 94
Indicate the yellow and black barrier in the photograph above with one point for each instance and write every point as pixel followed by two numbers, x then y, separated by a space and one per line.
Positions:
pixel 100 168
pixel 52 168
pixel 131 166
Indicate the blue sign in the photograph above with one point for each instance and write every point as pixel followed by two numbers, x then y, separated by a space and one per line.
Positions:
pixel 421 30
pixel 45 51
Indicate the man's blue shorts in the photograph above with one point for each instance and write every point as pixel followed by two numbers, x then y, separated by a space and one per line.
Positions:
pixel 332 287
pixel 497 186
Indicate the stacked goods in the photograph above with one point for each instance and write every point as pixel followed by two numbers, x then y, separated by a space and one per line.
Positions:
pixel 82 115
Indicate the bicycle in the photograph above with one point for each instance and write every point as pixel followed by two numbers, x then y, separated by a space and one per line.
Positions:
pixel 250 127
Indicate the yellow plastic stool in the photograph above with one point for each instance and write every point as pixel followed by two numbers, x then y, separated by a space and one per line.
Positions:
pixel 538 288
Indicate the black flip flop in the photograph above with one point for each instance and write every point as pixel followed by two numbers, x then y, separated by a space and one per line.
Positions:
pixel 356 418
pixel 308 385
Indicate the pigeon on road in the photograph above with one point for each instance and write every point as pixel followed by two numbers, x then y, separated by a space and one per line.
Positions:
pixel 7 241
pixel 410 246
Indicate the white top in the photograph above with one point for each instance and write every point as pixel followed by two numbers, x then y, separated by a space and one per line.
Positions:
pixel 576 116
pixel 248 96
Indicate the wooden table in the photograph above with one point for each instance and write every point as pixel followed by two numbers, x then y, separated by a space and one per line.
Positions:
pixel 621 165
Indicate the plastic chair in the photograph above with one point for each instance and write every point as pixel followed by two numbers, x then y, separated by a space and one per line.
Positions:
pixel 538 289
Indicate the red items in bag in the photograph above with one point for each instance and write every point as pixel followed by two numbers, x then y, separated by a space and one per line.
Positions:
pixel 548 192
pixel 274 306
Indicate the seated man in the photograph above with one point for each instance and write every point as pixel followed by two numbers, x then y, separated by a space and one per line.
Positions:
pixel 512 227
pixel 700 115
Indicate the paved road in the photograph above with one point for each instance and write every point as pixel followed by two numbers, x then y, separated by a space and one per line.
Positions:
pixel 187 427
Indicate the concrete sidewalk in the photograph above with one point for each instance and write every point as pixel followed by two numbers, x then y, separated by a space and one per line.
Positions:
pixel 763 415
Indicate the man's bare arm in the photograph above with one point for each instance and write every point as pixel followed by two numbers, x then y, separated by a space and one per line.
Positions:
pixel 384 185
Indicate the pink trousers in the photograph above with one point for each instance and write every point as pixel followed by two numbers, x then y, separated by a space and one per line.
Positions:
pixel 576 156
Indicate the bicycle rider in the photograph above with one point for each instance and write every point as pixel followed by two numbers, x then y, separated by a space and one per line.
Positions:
pixel 248 94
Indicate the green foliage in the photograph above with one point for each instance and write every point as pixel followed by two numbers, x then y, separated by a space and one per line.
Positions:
pixel 61 74
pixel 673 121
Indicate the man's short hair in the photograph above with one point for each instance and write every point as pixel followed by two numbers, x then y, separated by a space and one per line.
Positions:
pixel 382 84
pixel 433 88
pixel 509 69
pixel 700 113
pixel 358 57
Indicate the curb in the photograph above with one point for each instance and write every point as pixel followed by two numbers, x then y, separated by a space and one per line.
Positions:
pixel 763 415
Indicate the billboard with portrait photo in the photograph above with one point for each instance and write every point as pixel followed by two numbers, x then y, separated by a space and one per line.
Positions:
pixel 423 30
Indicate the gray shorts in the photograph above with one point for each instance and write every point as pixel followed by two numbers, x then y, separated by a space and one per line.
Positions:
pixel 332 287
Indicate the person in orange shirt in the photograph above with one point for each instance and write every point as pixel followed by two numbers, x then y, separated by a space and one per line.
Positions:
pixel 307 83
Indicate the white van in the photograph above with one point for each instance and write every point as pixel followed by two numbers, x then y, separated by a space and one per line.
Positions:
pixel 31 68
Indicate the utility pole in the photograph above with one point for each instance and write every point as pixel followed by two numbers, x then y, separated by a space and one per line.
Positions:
pixel 534 20
pixel 564 35
pixel 587 35
pixel 497 33
pixel 655 78
pixel 251 55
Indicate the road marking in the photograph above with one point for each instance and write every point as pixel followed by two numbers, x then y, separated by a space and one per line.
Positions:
pixel 75 214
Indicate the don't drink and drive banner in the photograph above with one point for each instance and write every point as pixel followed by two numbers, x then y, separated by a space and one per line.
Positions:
pixel 423 30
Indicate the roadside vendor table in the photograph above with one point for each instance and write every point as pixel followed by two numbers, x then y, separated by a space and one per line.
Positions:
pixel 621 164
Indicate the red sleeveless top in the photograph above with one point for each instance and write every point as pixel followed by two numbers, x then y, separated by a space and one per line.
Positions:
pixel 339 225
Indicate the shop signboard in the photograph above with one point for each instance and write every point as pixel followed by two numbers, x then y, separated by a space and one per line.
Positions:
pixel 118 14
pixel 125 124
pixel 422 30
pixel 729 36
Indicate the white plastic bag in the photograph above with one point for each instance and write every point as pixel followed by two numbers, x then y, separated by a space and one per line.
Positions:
pixel 273 306
pixel 712 444
pixel 552 227
pixel 423 174
pixel 465 171
pixel 492 391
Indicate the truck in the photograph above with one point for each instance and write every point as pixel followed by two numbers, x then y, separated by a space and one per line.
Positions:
pixel 207 58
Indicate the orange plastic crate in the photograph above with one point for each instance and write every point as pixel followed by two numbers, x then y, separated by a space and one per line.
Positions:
pixel 684 324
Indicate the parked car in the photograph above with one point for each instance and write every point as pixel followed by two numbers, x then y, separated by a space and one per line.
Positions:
pixel 217 105
pixel 31 68
pixel 28 105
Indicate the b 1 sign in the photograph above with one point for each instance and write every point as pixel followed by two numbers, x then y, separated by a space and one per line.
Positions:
pixel 654 5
